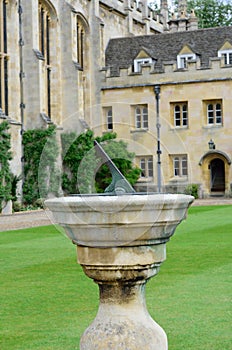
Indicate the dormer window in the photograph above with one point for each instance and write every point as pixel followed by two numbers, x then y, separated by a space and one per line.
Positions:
pixel 182 60
pixel 139 62
pixel 226 56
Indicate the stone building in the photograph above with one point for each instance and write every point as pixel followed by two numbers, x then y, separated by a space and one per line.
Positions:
pixel 193 71
pixel 51 53
pixel 95 62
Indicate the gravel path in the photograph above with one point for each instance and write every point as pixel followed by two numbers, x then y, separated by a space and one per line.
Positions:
pixel 25 219
pixel 41 217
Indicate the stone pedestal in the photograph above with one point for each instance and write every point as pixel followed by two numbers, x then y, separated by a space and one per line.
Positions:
pixel 121 242
pixel 122 321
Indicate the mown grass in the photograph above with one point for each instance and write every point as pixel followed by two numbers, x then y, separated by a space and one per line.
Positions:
pixel 46 301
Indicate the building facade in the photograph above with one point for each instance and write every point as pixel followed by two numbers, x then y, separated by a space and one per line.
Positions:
pixel 95 63
pixel 193 71
pixel 51 55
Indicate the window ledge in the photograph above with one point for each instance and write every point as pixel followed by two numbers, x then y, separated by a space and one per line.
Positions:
pixel 179 179
pixel 145 180
pixel 226 66
pixel 210 126
pixel 111 131
pixel 175 128
pixel 138 130
pixel 181 70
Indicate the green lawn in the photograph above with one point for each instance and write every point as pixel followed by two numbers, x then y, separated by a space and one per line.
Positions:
pixel 46 301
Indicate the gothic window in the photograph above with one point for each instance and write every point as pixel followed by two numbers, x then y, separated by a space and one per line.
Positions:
pixel 80 43
pixel 3 58
pixel 141 117
pixel 44 48
pixel 79 39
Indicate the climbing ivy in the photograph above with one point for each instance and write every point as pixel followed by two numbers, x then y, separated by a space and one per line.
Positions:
pixel 41 176
pixel 74 149
pixel 82 170
pixel 5 157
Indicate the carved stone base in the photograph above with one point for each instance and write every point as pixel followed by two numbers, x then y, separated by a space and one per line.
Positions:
pixel 122 321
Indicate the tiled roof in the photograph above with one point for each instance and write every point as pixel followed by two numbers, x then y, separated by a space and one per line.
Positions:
pixel 121 52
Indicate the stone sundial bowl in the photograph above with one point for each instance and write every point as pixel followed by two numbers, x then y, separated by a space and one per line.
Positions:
pixel 121 241
pixel 124 220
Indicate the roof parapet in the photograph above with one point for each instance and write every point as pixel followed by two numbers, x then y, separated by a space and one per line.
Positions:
pixel 215 66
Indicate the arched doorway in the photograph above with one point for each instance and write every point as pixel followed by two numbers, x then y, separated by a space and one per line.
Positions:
pixel 217 176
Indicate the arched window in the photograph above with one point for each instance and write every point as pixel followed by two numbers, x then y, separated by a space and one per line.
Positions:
pixel 44 48
pixel 79 41
pixel 3 58
pixel 80 34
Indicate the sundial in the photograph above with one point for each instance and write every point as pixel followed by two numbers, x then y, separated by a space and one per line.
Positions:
pixel 119 184
pixel 121 238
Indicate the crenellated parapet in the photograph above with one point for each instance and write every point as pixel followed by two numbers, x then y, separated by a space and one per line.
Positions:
pixel 167 73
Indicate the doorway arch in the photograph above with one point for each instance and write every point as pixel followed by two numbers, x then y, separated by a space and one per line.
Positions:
pixel 217 176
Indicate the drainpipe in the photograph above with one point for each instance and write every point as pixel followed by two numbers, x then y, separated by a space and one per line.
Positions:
pixel 157 96
pixel 21 76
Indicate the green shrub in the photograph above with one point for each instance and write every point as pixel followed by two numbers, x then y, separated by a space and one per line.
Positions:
pixel 82 169
pixel 17 206
pixel 5 157
pixel 41 175
pixel 192 190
